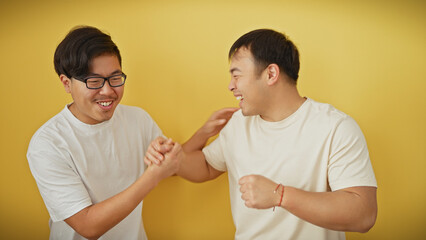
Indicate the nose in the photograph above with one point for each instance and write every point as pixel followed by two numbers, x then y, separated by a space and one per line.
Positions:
pixel 231 85
pixel 106 89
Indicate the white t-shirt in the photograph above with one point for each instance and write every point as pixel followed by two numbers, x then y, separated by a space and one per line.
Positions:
pixel 317 149
pixel 76 165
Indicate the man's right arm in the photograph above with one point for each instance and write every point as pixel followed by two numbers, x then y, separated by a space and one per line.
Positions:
pixel 195 168
pixel 93 221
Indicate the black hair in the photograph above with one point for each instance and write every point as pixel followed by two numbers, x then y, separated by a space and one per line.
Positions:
pixel 268 46
pixel 76 51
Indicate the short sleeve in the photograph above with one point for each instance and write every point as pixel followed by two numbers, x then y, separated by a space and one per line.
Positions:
pixel 155 131
pixel 60 186
pixel 150 129
pixel 349 161
pixel 215 152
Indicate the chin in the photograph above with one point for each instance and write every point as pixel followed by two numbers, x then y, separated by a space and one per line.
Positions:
pixel 247 113
pixel 103 117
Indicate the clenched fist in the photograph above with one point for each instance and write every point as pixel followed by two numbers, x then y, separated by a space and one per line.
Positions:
pixel 259 192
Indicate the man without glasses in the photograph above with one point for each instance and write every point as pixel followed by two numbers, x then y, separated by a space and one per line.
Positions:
pixel 297 169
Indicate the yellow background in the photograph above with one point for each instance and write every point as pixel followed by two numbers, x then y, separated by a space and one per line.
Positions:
pixel 366 58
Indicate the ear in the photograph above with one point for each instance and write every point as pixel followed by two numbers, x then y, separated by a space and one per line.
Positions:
pixel 273 72
pixel 66 82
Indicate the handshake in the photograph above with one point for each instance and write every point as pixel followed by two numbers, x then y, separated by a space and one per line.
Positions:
pixel 164 157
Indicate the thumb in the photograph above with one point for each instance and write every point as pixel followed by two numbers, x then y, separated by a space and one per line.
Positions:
pixel 160 140
pixel 176 148
pixel 169 141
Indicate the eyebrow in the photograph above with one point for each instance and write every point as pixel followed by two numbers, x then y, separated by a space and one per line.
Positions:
pixel 118 71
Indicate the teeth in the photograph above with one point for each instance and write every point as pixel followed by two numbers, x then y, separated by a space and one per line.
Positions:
pixel 239 98
pixel 105 104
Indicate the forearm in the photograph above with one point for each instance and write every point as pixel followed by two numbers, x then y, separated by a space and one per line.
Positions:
pixel 196 142
pixel 340 210
pixel 212 127
pixel 195 168
pixel 97 219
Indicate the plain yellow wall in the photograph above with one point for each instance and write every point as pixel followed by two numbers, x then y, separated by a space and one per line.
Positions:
pixel 366 58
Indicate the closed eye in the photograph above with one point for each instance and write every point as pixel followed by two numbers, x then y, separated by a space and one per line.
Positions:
pixel 95 80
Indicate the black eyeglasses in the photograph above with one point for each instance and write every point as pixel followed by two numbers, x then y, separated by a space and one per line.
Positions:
pixel 98 82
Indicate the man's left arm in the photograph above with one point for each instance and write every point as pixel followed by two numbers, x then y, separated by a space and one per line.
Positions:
pixel 351 204
pixel 352 209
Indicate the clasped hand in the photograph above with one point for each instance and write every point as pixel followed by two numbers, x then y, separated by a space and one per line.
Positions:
pixel 170 154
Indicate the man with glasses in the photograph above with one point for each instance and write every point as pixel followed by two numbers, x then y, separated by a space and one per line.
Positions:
pixel 88 159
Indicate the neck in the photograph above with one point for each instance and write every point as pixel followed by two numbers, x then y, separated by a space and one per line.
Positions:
pixel 283 102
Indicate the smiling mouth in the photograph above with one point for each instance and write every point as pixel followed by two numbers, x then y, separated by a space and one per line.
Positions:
pixel 240 98
pixel 105 104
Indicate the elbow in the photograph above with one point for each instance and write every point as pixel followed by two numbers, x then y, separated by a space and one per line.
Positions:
pixel 86 227
pixel 88 232
pixel 195 179
pixel 361 222
pixel 367 222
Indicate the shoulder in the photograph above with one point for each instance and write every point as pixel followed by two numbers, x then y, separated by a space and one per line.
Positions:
pixel 341 124
pixel 52 129
pixel 48 144
pixel 325 109
pixel 326 114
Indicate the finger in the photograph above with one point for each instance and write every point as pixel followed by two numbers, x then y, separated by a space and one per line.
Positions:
pixel 242 180
pixel 170 141
pixel 244 197
pixel 242 188
pixel 158 142
pixel 155 154
pixel 219 122
pixel 165 148
pixel 223 112
pixel 247 179
pixel 146 161
pixel 228 110
pixel 152 159
pixel 161 149
pixel 155 145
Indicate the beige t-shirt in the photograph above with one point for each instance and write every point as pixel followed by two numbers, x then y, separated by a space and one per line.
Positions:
pixel 317 149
